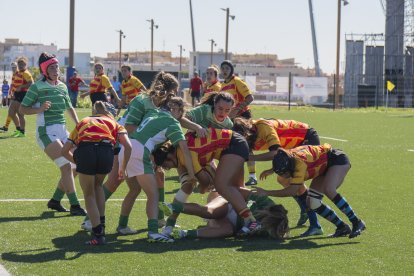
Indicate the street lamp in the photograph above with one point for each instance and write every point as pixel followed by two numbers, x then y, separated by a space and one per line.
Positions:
pixel 121 36
pixel 181 55
pixel 152 41
pixel 227 10
pixel 213 43
pixel 338 46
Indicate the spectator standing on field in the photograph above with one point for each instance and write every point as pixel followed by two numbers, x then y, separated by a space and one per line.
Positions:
pixel 73 83
pixel 196 85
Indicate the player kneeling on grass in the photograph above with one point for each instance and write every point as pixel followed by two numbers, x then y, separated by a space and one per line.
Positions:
pixel 223 220
pixel 48 98
pixel 327 167
pixel 95 137
pixel 157 127
pixel 231 150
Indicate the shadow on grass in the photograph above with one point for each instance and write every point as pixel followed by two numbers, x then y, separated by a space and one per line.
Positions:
pixel 44 215
pixel 172 192
pixel 173 178
pixel 72 247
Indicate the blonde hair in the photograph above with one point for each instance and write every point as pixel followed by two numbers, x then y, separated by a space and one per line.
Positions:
pixel 215 68
pixel 22 59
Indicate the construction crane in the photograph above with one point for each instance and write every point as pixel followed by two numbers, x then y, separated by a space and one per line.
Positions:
pixel 314 42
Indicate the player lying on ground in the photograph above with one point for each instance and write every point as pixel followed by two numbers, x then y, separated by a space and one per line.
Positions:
pixel 223 220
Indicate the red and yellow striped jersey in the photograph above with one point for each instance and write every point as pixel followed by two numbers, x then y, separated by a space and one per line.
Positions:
pixel 96 129
pixel 286 133
pixel 203 150
pixel 239 89
pixel 131 88
pixel 310 162
pixel 213 87
pixel 100 83
pixel 21 78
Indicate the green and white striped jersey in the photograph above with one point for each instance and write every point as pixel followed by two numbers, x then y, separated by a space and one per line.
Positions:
pixel 42 91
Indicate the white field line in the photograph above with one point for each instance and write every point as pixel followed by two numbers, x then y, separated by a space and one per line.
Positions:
pixel 3 271
pixel 412 150
pixel 335 139
pixel 46 200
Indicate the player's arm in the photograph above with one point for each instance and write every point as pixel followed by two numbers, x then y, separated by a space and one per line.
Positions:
pixel 126 143
pixel 73 115
pixel 290 190
pixel 267 156
pixel 66 151
pixel 186 123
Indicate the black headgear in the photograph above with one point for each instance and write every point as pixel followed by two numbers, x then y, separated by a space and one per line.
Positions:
pixel 228 62
pixel 281 163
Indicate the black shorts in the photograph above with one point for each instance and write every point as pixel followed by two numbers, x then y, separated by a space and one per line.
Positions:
pixel 337 157
pixel 238 145
pixel 94 158
pixel 19 96
pixel 311 138
pixel 195 94
pixel 98 96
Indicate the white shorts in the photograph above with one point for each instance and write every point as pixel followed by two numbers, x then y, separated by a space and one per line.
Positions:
pixel 45 135
pixel 139 162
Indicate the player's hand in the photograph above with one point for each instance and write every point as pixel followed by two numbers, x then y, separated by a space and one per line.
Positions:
pixel 45 106
pixel 259 191
pixel 265 174
pixel 201 132
pixel 122 174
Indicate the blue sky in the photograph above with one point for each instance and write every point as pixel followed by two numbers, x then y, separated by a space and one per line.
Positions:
pixel 266 26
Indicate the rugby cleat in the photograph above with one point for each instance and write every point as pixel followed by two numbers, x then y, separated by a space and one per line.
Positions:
pixel 76 210
pixel 87 225
pixel 156 237
pixel 357 229
pixel 251 182
pixel 341 231
pixel 3 129
pixel 126 231
pixel 178 234
pixel 312 231
pixel 96 240
pixel 55 205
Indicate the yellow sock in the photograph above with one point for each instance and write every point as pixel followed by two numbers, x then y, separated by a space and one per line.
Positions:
pixel 252 167
pixel 8 120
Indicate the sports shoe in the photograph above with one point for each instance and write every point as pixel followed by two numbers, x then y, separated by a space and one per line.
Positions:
pixel 3 129
pixel 341 231
pixel 87 225
pixel 249 229
pixel 167 231
pixel 178 234
pixel 161 223
pixel 76 210
pixel 303 218
pixel 19 135
pixel 166 208
pixel 157 237
pixel 312 231
pixel 96 240
pixel 16 133
pixel 252 181
pixel 357 229
pixel 126 231
pixel 55 205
